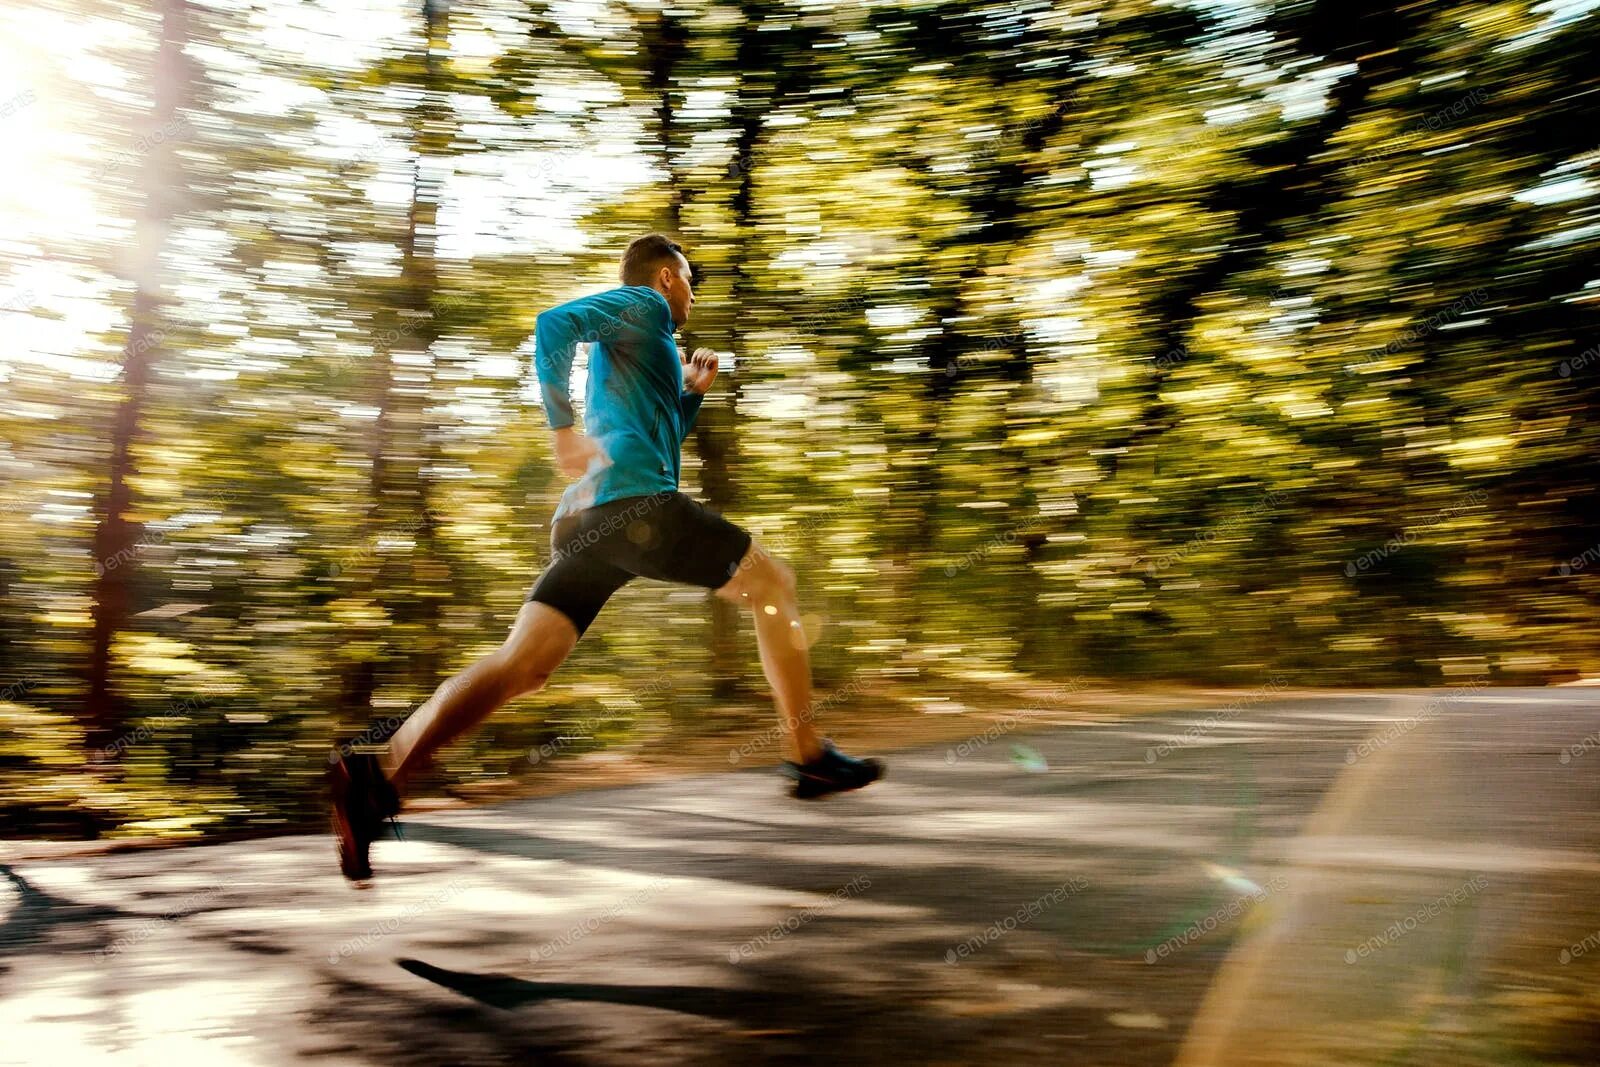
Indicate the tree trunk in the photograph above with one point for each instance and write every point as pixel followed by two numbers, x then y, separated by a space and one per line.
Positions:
pixel 399 447
pixel 116 536
pixel 666 39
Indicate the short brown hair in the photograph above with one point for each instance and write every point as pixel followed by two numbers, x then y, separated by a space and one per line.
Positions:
pixel 644 257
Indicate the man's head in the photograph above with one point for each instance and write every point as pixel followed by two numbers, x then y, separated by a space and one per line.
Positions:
pixel 658 261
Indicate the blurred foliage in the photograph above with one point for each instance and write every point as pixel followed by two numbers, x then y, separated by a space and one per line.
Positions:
pixel 1201 340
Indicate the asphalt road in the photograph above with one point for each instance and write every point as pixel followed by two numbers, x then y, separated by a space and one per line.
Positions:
pixel 1363 878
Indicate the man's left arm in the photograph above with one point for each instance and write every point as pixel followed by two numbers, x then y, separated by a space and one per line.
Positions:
pixel 699 371
pixel 689 404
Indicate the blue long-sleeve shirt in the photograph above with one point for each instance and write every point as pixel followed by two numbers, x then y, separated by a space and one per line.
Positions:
pixel 635 407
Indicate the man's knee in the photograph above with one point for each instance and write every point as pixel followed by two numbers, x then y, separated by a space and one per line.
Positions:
pixel 763 580
pixel 531 654
pixel 783 579
pixel 524 669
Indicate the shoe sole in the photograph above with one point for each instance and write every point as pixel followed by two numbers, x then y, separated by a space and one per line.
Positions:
pixel 810 787
pixel 344 831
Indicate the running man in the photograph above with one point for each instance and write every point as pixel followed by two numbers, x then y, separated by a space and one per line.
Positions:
pixel 623 517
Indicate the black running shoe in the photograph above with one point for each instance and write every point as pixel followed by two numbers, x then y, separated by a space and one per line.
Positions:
pixel 361 798
pixel 831 772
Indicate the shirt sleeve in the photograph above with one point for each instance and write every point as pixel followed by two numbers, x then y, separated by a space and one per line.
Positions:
pixel 558 332
pixel 689 404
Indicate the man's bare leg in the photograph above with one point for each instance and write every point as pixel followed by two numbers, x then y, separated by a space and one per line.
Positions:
pixel 766 587
pixel 540 640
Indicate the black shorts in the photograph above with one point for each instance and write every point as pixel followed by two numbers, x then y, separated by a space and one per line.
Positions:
pixel 665 536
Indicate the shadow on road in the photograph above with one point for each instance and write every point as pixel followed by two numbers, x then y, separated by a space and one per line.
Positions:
pixel 503 991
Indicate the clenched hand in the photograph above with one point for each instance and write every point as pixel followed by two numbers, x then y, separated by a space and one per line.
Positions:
pixel 574 451
pixel 699 370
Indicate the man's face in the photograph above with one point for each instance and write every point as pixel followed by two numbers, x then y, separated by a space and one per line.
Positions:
pixel 677 285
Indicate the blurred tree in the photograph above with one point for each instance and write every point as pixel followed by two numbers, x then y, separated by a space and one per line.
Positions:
pixel 115 548
pixel 410 578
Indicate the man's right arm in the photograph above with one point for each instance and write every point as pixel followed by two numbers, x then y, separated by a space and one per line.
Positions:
pixel 558 332
pixel 556 336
